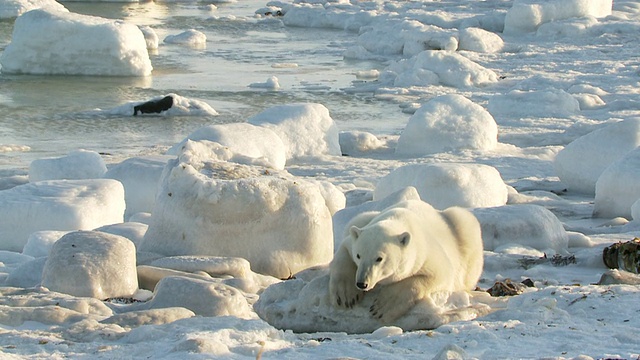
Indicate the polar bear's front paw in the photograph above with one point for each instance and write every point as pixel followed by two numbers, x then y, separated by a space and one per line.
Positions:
pixel 390 304
pixel 344 293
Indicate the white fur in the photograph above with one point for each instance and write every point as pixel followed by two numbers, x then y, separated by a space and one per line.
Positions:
pixel 411 249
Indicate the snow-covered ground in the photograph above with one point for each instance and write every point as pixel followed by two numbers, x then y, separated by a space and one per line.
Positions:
pixel 524 111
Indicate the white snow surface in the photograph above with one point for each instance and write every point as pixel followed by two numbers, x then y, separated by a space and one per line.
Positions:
pixel 562 89
pixel 77 44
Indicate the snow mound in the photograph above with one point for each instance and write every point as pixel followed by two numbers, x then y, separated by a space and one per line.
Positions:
pixel 140 177
pixel 617 188
pixel 14 8
pixel 303 306
pixel 79 164
pixel 359 142
pixel 80 45
pixel 192 37
pixel 449 68
pixel 448 123
pixel 133 319
pixel 344 216
pixel 279 223
pixel 47 307
pixel 27 274
pixel 542 103
pixel 246 140
pixel 58 205
pixel 92 264
pixel 479 40
pixel 150 37
pixel 203 297
pixel 404 37
pixel 305 129
pixel 527 15
pixel 602 147
pixel 531 226
pixel 446 185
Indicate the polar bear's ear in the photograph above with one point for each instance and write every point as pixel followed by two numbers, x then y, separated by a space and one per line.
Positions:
pixel 355 232
pixel 404 239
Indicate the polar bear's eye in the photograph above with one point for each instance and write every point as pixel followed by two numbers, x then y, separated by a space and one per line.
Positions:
pixel 358 256
pixel 379 259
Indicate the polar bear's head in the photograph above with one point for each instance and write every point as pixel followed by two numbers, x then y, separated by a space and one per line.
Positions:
pixel 379 251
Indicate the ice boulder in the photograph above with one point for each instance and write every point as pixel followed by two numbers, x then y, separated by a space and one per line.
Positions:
pixel 14 8
pixel 140 177
pixel 58 205
pixel 344 216
pixel 279 223
pixel 451 69
pixel 39 243
pixel 92 264
pixel 601 147
pixel 527 15
pixel 448 123
pixel 133 231
pixel 531 226
pixel 247 140
pixel 203 297
pixel 80 45
pixel 618 187
pixel 446 185
pixel 79 164
pixel 305 129
pixel 479 40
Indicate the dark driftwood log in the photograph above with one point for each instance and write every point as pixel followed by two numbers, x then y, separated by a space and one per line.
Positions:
pixel 154 106
pixel 623 256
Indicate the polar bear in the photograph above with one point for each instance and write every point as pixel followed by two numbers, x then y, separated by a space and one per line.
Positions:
pixel 410 249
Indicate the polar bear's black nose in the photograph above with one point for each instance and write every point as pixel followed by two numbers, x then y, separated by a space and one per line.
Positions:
pixel 362 286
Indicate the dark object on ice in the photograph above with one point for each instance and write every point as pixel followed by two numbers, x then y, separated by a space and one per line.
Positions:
pixel 555 260
pixel 506 288
pixel 559 260
pixel 623 256
pixel 528 283
pixel 154 106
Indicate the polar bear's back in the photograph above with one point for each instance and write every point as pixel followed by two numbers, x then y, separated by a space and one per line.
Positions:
pixel 468 236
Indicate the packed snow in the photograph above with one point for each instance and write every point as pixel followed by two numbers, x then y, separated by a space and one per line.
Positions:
pixel 217 243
